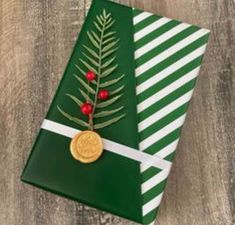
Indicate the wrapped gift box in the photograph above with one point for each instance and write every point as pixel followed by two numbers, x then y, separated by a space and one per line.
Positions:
pixel 146 65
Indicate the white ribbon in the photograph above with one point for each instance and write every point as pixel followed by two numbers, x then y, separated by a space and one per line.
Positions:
pixel 111 146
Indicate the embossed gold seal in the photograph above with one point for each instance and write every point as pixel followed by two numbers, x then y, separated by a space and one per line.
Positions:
pixel 86 146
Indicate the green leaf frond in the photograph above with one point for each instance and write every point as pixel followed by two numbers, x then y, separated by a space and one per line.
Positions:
pixel 99 57
pixel 114 92
pixel 110 24
pixel 108 40
pixel 75 99
pixel 88 66
pixel 96 37
pixel 86 97
pixel 92 39
pixel 91 60
pixel 107 112
pixel 109 34
pixel 107 63
pixel 109 52
pixel 92 52
pixel 100 20
pixel 72 118
pixel 109 122
pixel 98 27
pixel 109 46
pixel 108 71
pixel 81 70
pixel 111 82
pixel 85 85
pixel 108 102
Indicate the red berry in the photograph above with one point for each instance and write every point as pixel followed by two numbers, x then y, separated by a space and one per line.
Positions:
pixel 86 108
pixel 90 76
pixel 103 94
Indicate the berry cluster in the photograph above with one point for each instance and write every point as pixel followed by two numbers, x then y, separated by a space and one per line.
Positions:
pixel 87 108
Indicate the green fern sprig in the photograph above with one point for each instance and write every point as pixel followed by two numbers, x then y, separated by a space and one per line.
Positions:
pixel 100 59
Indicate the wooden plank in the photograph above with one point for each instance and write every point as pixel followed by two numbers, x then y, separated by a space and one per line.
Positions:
pixel 36 39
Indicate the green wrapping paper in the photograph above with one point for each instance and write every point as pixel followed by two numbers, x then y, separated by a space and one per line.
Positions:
pixel 149 65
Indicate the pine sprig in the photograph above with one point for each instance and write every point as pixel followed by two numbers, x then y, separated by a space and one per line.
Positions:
pixel 99 57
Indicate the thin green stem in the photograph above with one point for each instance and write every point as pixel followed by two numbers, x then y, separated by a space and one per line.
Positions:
pixel 91 125
pixel 99 71
pixel 88 93
pixel 91 115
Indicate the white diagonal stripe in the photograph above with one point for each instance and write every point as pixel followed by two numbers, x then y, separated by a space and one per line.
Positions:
pixel 153 26
pixel 169 149
pixel 170 69
pixel 166 151
pixel 161 133
pixel 170 51
pixel 167 90
pixel 142 16
pixel 154 118
pixel 161 39
pixel 153 204
pixel 155 180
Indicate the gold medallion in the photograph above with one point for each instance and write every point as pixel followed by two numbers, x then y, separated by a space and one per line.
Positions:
pixel 86 146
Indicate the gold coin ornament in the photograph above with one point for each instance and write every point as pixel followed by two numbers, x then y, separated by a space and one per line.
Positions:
pixel 86 146
pixel 96 103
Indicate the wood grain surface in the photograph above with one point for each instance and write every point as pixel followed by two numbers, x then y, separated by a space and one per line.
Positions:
pixel 36 40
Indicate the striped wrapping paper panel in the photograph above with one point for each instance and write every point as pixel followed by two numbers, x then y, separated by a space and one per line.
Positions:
pixel 168 55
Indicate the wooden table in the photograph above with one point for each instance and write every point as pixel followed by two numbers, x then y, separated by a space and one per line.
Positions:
pixel 36 39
